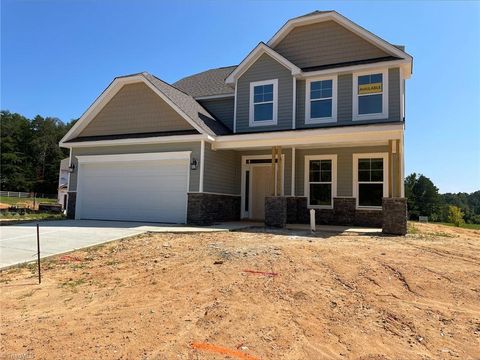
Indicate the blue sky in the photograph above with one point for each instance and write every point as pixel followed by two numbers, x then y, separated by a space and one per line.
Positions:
pixel 58 56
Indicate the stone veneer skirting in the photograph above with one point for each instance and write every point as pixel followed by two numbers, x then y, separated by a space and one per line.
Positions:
pixel 344 212
pixel 71 202
pixel 206 208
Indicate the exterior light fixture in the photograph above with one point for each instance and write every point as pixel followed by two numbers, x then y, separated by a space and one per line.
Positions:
pixel 193 164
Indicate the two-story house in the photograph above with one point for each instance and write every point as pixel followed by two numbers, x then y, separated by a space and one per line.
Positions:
pixel 313 118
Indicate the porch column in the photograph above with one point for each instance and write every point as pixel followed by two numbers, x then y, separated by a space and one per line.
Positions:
pixel 394 169
pixel 277 169
pixel 292 190
pixel 394 207
pixel 276 205
pixel 274 155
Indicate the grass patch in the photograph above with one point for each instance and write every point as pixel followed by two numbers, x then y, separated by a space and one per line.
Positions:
pixel 463 226
pixel 411 229
pixel 14 217
pixel 72 284
pixel 414 230
pixel 16 200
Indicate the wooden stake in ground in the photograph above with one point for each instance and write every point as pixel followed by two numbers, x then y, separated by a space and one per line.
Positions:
pixel 38 255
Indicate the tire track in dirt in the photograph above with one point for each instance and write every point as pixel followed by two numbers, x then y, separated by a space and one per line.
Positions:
pixel 445 253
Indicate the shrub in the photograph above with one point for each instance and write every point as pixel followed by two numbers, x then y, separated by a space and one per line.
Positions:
pixel 455 215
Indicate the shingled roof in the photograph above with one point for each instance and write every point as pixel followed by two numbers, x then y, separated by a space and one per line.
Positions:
pixel 189 106
pixel 207 83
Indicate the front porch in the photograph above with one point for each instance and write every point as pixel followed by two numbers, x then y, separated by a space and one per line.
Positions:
pixel 354 181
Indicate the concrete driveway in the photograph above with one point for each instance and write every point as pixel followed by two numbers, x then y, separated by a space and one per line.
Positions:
pixel 18 243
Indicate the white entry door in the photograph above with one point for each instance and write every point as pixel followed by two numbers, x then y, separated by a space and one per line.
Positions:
pixel 153 189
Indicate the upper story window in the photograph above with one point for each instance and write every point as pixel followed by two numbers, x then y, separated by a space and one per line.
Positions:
pixel 263 102
pixel 321 100
pixel 370 95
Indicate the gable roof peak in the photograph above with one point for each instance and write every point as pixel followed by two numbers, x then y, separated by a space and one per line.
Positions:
pixel 259 50
pixel 319 16
pixel 315 12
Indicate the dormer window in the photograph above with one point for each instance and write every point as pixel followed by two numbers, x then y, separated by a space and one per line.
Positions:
pixel 263 102
pixel 321 100
pixel 370 95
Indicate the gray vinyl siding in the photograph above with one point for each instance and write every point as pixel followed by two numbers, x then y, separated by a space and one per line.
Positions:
pixel 265 68
pixel 344 166
pixel 222 171
pixel 325 43
pixel 194 147
pixel 345 101
pixel 135 109
pixel 222 109
pixel 300 105
pixel 394 101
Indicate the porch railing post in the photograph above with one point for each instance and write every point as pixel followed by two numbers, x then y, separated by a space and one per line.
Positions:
pixel 279 171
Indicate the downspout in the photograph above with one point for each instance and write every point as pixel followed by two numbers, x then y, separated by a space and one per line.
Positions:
pixel 235 109
pixel 202 165
pixel 294 103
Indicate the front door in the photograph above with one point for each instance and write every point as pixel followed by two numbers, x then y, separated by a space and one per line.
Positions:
pixel 261 186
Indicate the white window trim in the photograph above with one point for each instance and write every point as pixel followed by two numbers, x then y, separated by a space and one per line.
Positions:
pixel 333 118
pixel 358 156
pixel 306 177
pixel 252 121
pixel 384 113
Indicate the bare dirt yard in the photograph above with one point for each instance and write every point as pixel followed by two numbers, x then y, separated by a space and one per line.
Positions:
pixel 180 296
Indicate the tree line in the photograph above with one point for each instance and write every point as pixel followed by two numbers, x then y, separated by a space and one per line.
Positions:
pixel 29 152
pixel 30 159
pixel 424 199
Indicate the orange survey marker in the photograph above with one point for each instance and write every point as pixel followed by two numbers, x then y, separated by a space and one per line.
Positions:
pixel 261 272
pixel 223 351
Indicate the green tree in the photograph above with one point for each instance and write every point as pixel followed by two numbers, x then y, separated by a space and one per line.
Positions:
pixel 422 197
pixel 15 150
pixel 46 154
pixel 455 215
pixel 29 152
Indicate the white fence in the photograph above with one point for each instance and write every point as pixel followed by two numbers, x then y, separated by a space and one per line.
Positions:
pixel 20 194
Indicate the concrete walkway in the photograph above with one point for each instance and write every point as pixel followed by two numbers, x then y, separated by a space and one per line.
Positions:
pixel 18 243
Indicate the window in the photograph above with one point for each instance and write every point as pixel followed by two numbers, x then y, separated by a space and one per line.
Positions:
pixel 370 99
pixel 263 103
pixel 320 180
pixel 321 101
pixel 370 185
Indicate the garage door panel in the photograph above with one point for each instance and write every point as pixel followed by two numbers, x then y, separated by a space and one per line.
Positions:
pixel 140 191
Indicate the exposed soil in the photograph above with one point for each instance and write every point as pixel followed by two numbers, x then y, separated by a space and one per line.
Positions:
pixel 326 297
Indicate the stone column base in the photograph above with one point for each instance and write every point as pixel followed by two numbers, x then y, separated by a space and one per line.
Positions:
pixel 275 211
pixel 394 216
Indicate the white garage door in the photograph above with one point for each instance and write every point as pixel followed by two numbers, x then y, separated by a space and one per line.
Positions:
pixel 133 187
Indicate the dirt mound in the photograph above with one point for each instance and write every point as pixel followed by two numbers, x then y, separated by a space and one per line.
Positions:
pixel 252 296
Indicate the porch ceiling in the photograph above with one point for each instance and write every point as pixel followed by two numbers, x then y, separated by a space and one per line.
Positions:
pixel 343 136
